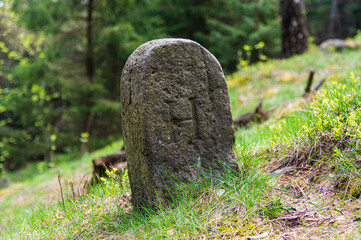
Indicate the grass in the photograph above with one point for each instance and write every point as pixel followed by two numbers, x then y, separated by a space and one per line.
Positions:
pixel 35 185
pixel 202 208
pixel 252 203
pixel 280 81
pixel 331 134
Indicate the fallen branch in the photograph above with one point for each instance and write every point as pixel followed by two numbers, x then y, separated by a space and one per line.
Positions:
pixel 247 118
pixel 338 44
pixel 259 114
pixel 318 85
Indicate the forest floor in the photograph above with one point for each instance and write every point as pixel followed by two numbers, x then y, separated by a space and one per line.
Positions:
pixel 290 203
pixel 34 185
pixel 313 209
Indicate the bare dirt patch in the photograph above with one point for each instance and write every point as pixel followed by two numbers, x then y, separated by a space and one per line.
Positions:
pixel 314 209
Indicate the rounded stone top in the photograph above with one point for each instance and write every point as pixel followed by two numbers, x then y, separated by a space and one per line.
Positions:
pixel 149 49
pixel 164 42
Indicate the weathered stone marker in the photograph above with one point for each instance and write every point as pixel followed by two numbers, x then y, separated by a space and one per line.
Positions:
pixel 176 115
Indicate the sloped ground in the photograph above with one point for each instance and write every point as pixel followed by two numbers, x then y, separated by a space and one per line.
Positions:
pixel 280 81
pixel 290 203
pixel 313 205
pixel 315 210
pixel 311 211
pixel 34 185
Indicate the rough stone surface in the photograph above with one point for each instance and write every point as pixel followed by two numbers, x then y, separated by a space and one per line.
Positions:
pixel 176 116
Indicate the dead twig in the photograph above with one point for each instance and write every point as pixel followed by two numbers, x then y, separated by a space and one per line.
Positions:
pixel 61 189
pixel 309 83
pixel 79 234
pixel 263 235
pixel 292 218
pixel 318 85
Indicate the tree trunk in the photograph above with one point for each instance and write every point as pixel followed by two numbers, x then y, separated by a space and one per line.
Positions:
pixel 335 25
pixel 89 66
pixel 89 38
pixel 294 33
pixel 350 16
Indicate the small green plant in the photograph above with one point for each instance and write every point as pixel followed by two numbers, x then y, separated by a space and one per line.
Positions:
pixel 52 147
pixel 244 62
pixel 337 112
pixel 331 135
pixel 115 183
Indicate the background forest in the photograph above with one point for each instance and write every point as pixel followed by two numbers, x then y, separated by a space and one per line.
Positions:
pixel 292 69
pixel 61 60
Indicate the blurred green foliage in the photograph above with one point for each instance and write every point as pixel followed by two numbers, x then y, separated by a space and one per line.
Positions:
pixel 49 95
pixel 47 98
pixel 332 18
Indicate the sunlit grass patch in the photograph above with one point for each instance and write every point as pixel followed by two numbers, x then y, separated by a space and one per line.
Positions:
pixel 229 208
pixel 278 81
pixel 331 134
pixel 33 185
pixel 205 207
